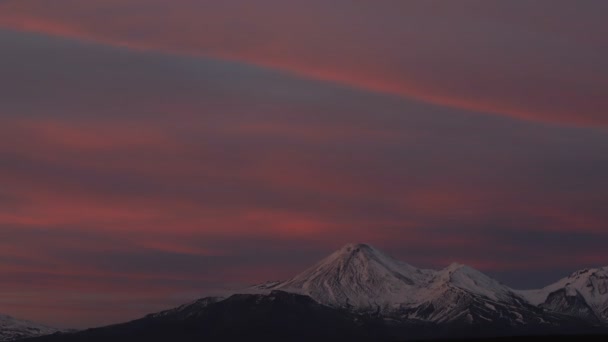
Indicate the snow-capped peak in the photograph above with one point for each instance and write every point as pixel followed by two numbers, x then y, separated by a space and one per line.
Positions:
pixel 473 281
pixel 366 254
pixel 360 276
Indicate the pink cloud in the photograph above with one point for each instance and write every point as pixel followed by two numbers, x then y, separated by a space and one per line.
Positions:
pixel 313 42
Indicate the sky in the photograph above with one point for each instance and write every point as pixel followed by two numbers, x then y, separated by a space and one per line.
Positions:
pixel 154 152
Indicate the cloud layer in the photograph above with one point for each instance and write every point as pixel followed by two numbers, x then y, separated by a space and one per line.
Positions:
pixel 154 153
pixel 489 56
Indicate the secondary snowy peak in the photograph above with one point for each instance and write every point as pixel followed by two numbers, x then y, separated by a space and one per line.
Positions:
pixel 459 293
pixel 359 276
pixel 581 293
pixel 473 281
pixel 14 329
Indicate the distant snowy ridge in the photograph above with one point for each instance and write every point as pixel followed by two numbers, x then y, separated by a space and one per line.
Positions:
pixel 13 329
pixel 585 292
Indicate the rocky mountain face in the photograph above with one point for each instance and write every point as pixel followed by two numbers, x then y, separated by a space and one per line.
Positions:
pixel 13 329
pixel 572 304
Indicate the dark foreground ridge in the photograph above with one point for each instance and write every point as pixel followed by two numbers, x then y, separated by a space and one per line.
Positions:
pixel 292 317
pixel 539 338
pixel 279 315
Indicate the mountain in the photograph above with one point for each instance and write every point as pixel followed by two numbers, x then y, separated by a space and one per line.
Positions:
pixel 361 293
pixel 360 278
pixel 583 294
pixel 14 329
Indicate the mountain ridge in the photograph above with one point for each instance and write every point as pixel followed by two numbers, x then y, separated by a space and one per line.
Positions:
pixel 13 329
pixel 360 277
pixel 366 294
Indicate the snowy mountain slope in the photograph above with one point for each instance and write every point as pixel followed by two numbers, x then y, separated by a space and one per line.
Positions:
pixel 361 278
pixel 472 281
pixel 459 293
pixel 13 329
pixel 188 310
pixel 577 294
